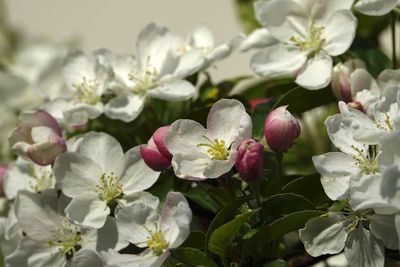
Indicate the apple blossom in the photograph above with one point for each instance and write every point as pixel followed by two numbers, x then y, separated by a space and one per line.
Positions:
pixel 23 175
pixel 144 227
pixel 249 160
pixel 155 71
pixel 280 129
pixel 38 137
pixel 156 154
pixel 376 7
pixel 87 78
pixel 99 176
pixel 200 153
pixel 202 39
pixel 363 246
pixel 309 34
pixel 50 238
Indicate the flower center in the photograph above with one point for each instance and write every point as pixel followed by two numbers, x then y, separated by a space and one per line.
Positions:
pixel 355 217
pixel 41 179
pixel 86 91
pixel 144 80
pixel 386 124
pixel 156 241
pixel 216 149
pixel 67 239
pixel 314 43
pixel 109 189
pixel 366 160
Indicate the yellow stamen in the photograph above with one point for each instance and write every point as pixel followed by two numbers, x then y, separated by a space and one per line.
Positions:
pixel 86 91
pixel 216 149
pixel 109 188
pixel 314 43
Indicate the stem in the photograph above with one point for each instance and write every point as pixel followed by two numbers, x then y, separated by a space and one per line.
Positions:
pixel 393 27
pixel 279 158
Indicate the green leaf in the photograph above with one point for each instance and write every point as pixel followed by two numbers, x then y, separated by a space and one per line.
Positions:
pixel 225 215
pixel 192 257
pixel 283 204
pixel 246 15
pixel 161 188
pixel 199 196
pixel 222 237
pixel 308 186
pixel 301 100
pixel 259 115
pixel 196 239
pixel 278 228
pixel 277 263
pixel 375 59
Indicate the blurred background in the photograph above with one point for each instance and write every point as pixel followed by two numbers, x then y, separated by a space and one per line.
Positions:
pixel 115 24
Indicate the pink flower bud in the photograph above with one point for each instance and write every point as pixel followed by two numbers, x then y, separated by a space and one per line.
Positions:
pixel 38 138
pixel 280 129
pixel 156 154
pixel 341 79
pixel 249 160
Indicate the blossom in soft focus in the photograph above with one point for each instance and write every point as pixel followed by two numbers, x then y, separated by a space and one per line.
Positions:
pixel 38 137
pixel 249 160
pixel 341 78
pixel 51 239
pixel 376 7
pixel 156 154
pixel 202 39
pixel 158 232
pixel 280 129
pixel 200 153
pixel 156 70
pixel 86 78
pixel 25 175
pixel 99 176
pixel 310 33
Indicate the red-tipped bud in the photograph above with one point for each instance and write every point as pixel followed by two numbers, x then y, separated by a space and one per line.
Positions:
pixel 341 79
pixel 280 129
pixel 254 102
pixel 156 154
pixel 249 160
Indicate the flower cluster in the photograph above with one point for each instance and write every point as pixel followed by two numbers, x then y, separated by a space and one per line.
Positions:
pixel 362 175
pixel 142 160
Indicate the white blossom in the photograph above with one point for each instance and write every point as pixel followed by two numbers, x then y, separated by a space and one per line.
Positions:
pixel 200 153
pixel 99 177
pixel 309 34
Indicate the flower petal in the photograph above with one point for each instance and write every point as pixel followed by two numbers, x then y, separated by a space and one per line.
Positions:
pixel 76 174
pixel 384 228
pixel 145 259
pixel 175 219
pixel 316 73
pixel 363 249
pixel 137 176
pixel 324 235
pixel 375 7
pixel 336 169
pixel 88 210
pixel 125 107
pixel 228 120
pixel 340 31
pixel 173 91
pixel 260 38
pixel 102 149
pixel 278 61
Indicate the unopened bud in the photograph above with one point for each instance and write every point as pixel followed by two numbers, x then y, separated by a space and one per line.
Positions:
pixel 341 79
pixel 38 138
pixel 249 160
pixel 156 154
pixel 280 129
